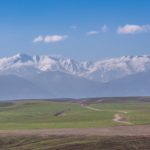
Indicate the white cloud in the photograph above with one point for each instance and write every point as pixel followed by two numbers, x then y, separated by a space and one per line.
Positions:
pixel 38 39
pixel 90 33
pixel 104 28
pixel 132 29
pixel 54 38
pixel 50 38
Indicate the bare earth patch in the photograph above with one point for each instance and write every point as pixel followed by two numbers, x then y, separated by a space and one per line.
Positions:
pixel 133 130
pixel 118 118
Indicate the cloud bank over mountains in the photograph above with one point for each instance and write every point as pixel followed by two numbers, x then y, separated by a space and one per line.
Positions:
pixel 124 30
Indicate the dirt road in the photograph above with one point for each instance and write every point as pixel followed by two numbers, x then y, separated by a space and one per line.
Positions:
pixel 117 117
pixel 95 109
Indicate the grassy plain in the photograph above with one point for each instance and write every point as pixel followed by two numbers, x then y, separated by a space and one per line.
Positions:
pixel 41 114
pixel 75 124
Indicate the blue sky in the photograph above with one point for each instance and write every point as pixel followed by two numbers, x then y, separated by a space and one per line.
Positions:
pixel 80 29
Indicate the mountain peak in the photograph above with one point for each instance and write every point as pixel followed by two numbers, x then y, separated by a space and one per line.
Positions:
pixel 21 57
pixel 102 70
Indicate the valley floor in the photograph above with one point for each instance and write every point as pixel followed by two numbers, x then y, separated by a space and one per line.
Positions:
pixel 84 113
pixel 93 124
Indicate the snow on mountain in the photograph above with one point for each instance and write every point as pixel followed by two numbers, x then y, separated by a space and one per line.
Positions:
pixel 24 76
pixel 114 68
pixel 102 71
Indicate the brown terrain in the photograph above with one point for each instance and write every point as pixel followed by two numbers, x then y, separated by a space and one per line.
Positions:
pixel 132 130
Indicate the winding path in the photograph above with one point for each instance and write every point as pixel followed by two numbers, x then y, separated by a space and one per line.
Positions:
pixel 95 109
pixel 117 117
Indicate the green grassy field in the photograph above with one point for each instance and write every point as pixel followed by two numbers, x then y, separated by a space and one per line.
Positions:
pixel 38 114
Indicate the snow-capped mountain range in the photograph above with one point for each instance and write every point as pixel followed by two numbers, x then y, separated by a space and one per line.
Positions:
pixel 25 76
pixel 102 71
